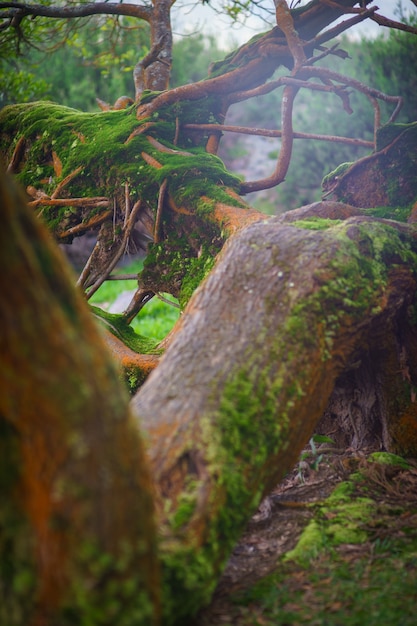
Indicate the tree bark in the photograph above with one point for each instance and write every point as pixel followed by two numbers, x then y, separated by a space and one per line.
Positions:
pixel 286 313
pixel 77 530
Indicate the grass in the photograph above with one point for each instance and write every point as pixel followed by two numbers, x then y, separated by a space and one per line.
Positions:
pixel 156 318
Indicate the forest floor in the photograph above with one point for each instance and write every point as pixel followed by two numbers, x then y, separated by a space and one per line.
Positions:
pixel 334 544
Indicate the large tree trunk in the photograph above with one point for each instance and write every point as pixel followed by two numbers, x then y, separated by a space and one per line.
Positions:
pixel 286 314
pixel 76 522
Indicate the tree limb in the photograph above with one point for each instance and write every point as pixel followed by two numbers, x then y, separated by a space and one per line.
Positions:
pixel 24 9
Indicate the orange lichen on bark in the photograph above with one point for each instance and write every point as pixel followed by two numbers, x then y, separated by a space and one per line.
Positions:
pixel 79 472
pixel 130 359
pixel 44 452
pixel 233 219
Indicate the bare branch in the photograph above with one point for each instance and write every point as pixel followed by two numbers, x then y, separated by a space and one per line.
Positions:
pixel 286 24
pixel 83 227
pixel 331 33
pixel 158 219
pixel 151 57
pixel 119 252
pixel 384 21
pixel 67 12
pixel 265 132
pixel 370 92
pixel 286 146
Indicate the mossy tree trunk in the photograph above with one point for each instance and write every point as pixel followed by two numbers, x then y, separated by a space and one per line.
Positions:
pixel 290 314
pixel 78 541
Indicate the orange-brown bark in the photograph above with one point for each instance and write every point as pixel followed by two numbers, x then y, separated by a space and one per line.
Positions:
pixel 78 486
pixel 129 359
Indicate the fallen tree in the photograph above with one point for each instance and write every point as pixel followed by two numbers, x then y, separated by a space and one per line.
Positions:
pixel 284 320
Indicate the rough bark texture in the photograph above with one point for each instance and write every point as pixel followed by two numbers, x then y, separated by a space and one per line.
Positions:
pixel 77 533
pixel 287 310
pixel 386 178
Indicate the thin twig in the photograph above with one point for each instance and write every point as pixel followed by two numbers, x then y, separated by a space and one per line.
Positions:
pixel 65 181
pixel 177 131
pixel 85 272
pixel 45 200
pixel 127 204
pixel 266 132
pixel 142 128
pixel 160 146
pixel 159 210
pixel 120 251
pixel 163 299
pixel 17 155
pixel 84 226
pixel 122 277
pixel 384 21
pixel 331 33
pixel 370 92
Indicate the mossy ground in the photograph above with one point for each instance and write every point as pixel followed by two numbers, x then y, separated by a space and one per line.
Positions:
pixel 359 566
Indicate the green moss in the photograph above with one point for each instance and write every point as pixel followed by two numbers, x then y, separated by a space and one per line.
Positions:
pixel 180 267
pixel 387 458
pixel 197 270
pixel 17 544
pixel 247 413
pixel 255 406
pixel 400 213
pixel 115 594
pixel 339 520
pixel 337 173
pixel 316 223
pixel 119 327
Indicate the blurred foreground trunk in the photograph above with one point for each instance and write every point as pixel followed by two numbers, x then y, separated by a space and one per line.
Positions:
pixel 77 536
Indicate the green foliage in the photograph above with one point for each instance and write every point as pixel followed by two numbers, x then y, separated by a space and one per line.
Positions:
pixel 156 318
pixel 73 62
pixel 312 457
pixel 191 57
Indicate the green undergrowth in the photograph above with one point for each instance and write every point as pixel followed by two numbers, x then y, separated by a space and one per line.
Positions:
pixel 153 322
pixel 354 564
